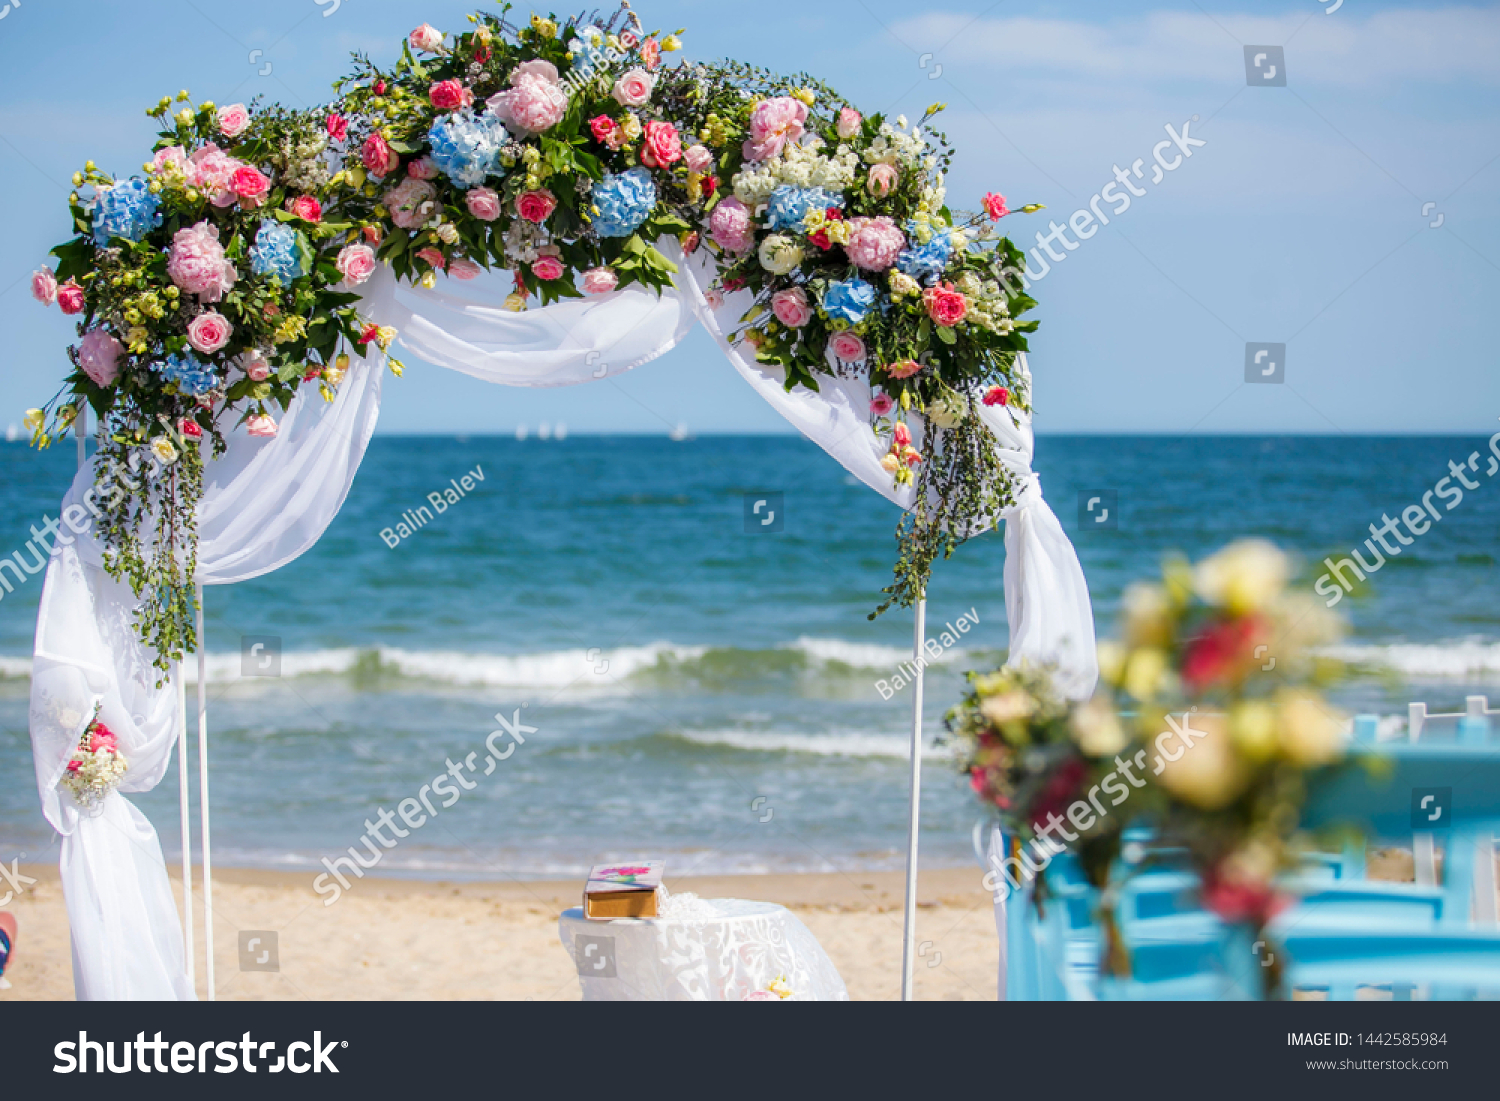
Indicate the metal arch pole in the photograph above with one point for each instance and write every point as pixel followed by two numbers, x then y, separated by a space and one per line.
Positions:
pixel 208 875
pixel 183 798
pixel 909 934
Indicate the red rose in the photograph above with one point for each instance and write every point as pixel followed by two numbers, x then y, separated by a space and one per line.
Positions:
pixel 820 239
pixel 661 146
pixel 370 333
pixel 380 87
pixel 834 214
pixel 482 54
pixel 307 208
pixel 536 206
pixel 450 95
pixel 379 158
pixel 338 127
pixel 945 305
pixel 189 428
pixel 602 126
pixel 1219 651
pixel 710 185
pixel 996 395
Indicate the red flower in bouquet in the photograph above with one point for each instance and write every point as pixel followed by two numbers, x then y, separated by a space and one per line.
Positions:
pixel 1060 792
pixel 378 156
pixel 307 208
pixel 338 127
pixel 1240 900
pixel 190 429
pixel 945 305
pixel 662 145
pixel 450 95
pixel 996 395
pixel 1215 655
pixel 101 737
pixel 994 206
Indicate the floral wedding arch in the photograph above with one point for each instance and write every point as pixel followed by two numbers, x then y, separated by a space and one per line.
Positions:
pixel 534 205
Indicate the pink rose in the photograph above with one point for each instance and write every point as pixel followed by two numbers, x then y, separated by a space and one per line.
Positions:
pixel 171 159
pixel 651 53
pixel 730 226
pixel 547 268
pixel 410 202
pixel 699 159
pixel 601 126
pixel 99 356
pixel 426 38
pixel 634 88
pixel 994 206
pixel 536 206
pixel 433 256
pixel 233 120
pixel 881 404
pixel 874 243
pixel 255 366
pixel 103 738
pixel 70 298
pixel 423 168
pixel 379 158
pixel 882 180
pixel 600 281
pixel 713 298
pixel 791 307
pixel 662 145
pixel 945 305
pixel 338 127
pixel 464 269
pixel 261 426
pixel 212 172
pixel 44 286
pixel 307 208
pixel 450 95
pixel 773 123
pixel 848 347
pixel 356 263
pixel 250 184
pixel 208 332
pixel 901 435
pixel 534 102
pixel 196 262
pixel 903 368
pixel 849 122
pixel 483 203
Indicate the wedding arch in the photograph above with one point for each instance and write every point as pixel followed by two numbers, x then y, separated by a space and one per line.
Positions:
pixel 543 204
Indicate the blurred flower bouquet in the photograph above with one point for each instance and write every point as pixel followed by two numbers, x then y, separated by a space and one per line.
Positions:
pixel 1219 662
pixel 1038 758
pixel 96 767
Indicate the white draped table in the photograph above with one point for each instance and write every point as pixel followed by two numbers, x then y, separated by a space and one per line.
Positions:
pixel 709 950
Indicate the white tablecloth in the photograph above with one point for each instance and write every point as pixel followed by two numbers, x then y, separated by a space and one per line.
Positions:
pixel 724 949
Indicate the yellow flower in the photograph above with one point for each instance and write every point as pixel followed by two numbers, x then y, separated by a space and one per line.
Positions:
pixel 1012 706
pixel 385 336
pixel 1210 773
pixel 515 303
pixel 1097 731
pixel 185 117
pixel 1145 670
pixel 1244 577
pixel 1252 724
pixel 1148 620
pixel 671 44
pixel 630 126
pixel 889 463
pixel 34 419
pixel 162 448
pixel 779 987
pixel 1310 733
pixel 936 109
pixel 805 95
pixel 429 279
pixel 291 329
pixel 694 187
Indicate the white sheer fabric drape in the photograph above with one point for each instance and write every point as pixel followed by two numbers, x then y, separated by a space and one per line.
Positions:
pixel 265 502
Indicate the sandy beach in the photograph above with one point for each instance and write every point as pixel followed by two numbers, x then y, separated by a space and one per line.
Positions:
pixel 393 939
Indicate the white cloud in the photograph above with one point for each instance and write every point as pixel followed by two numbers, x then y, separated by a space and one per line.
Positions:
pixel 1446 45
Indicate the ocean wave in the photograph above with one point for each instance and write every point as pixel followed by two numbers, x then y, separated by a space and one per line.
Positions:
pixel 1453 660
pixel 837 744
pixel 18 668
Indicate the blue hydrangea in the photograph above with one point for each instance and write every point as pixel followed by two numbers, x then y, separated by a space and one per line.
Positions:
pixel 585 50
pixel 788 205
pixel 128 210
pixel 624 201
pixel 928 262
pixel 278 251
pixel 467 147
pixel 191 374
pixel 848 301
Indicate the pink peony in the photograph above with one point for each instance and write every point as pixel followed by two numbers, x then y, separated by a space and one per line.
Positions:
pixel 208 332
pixel 378 156
pixel 547 268
pixel 882 180
pixel 791 307
pixel 338 127
pixel 450 95
pixel 945 305
pixel 197 263
pixel 848 347
pixel 307 208
pixel 423 168
pixel 464 269
pixel 730 226
pixel 433 256
pixel 534 102
pixel 874 243
pixel 102 737
pixel 634 88
pixel 881 404
pixel 356 263
pixel 773 123
pixel 849 122
pixel 261 426
pixel 426 38
pixel 171 159
pixel 44 286
pixel 699 159
pixel 536 206
pixel 212 171
pixel 234 120
pixel 651 53
pixel 483 203
pixel 255 366
pixel 70 298
pixel 410 202
pixel 99 356
pixel 662 145
pixel 600 281
pixel 250 184
pixel 994 206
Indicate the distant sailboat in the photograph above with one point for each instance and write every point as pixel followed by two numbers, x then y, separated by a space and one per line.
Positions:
pixel 520 431
pixel 560 432
pixel 12 434
pixel 679 433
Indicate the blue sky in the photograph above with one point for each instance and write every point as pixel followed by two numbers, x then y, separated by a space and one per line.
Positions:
pixel 1300 221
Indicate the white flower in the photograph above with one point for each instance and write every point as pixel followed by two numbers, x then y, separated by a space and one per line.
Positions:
pixel 780 254
pixel 165 453
pixel 1243 577
pixel 447 233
